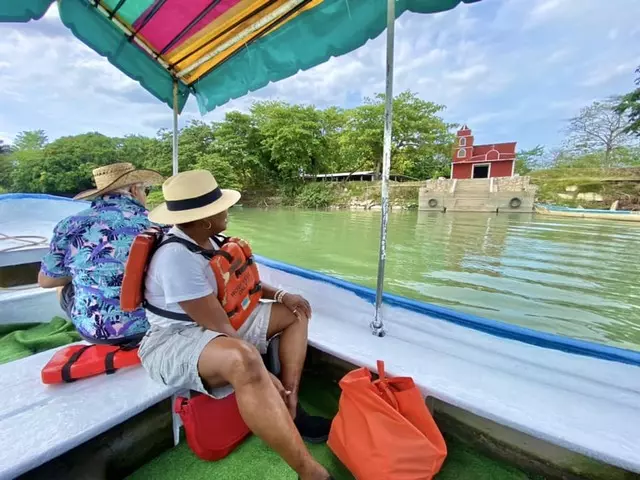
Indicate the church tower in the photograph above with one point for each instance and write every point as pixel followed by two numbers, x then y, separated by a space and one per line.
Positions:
pixel 464 145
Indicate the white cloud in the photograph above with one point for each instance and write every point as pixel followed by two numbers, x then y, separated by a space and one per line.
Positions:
pixel 547 8
pixel 6 137
pixel 605 73
pixel 52 13
pixel 466 74
pixel 478 60
pixel 559 55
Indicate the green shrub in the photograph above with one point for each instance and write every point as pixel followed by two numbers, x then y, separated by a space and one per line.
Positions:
pixel 315 195
pixel 154 198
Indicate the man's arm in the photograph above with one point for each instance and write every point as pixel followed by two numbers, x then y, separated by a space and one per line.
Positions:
pixel 268 292
pixel 45 281
pixel 296 303
pixel 54 271
pixel 208 313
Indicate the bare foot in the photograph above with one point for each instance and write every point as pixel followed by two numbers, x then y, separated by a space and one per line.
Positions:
pixel 318 472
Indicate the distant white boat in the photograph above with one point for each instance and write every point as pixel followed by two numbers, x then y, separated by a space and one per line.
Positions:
pixel 559 211
pixel 26 224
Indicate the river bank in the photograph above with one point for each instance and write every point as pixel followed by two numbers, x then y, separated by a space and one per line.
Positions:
pixel 338 196
pixel 589 188
pixel 571 187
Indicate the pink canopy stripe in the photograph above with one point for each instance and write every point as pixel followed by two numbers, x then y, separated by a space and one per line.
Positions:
pixel 173 16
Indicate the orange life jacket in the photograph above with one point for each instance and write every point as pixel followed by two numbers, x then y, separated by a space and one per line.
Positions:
pixel 81 361
pixel 235 271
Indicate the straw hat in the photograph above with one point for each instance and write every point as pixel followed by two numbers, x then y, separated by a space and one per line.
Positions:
pixel 118 175
pixel 191 196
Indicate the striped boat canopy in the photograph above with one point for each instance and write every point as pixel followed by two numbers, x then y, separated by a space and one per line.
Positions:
pixel 218 49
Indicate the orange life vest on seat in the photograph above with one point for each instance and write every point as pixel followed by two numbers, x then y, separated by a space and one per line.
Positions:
pixel 235 271
pixel 81 361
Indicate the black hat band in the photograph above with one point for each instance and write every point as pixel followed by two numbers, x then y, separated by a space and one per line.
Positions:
pixel 196 202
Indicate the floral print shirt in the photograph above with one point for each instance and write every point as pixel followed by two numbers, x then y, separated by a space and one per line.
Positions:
pixel 92 247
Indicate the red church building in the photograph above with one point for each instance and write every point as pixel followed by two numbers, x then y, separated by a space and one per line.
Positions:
pixel 482 161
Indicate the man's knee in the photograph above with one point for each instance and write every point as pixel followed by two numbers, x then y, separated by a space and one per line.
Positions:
pixel 245 364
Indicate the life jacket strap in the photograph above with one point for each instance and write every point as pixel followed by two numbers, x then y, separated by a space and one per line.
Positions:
pixel 181 317
pixel 192 247
pixel 244 266
pixel 109 362
pixel 66 368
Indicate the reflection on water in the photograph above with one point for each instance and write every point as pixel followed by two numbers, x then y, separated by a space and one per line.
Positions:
pixel 569 276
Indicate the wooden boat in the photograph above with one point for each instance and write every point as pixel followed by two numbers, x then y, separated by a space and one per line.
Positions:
pixel 553 405
pixel 559 211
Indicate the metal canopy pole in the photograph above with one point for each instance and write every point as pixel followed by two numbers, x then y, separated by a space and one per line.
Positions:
pixel 377 325
pixel 175 128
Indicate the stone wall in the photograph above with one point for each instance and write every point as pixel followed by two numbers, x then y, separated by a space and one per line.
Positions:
pixel 478 196
pixel 441 185
pixel 513 184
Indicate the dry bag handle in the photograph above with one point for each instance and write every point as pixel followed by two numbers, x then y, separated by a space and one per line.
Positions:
pixel 382 385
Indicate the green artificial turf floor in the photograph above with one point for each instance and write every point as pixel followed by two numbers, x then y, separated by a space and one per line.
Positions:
pixel 253 460
pixel 22 340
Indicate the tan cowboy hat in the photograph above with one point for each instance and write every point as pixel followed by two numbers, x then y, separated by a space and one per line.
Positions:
pixel 118 175
pixel 191 196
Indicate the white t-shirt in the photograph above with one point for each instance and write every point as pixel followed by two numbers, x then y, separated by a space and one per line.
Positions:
pixel 176 275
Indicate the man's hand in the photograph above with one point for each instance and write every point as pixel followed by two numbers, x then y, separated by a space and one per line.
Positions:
pixel 297 304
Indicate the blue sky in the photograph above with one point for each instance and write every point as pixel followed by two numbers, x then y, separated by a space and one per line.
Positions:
pixel 513 70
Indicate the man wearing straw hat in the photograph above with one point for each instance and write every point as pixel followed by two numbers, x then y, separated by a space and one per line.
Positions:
pixel 89 250
pixel 191 342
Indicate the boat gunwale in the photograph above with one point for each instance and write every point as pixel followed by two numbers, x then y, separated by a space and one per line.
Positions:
pixel 493 327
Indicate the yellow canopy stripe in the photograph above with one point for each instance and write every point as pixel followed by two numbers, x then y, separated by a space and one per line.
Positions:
pixel 224 29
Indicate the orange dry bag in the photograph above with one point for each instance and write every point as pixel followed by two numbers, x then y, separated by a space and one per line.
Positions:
pixel 384 431
pixel 81 361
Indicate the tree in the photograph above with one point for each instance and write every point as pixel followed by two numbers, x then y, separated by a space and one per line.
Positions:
pixel 138 150
pixel 528 160
pixel 6 166
pixel 26 160
pixel 196 139
pixel 599 126
pixel 30 140
pixel 421 141
pixel 239 143
pixel 629 105
pixel 267 148
pixel 292 140
pixel 63 166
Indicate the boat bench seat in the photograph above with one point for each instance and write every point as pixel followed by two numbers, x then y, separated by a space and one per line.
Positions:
pixel 585 404
pixel 40 422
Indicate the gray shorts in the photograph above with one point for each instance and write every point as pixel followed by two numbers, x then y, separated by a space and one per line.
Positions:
pixel 170 354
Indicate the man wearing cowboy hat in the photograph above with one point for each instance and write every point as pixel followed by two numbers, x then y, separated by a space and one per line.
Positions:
pixel 89 250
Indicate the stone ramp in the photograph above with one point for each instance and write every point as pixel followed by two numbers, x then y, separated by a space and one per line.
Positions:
pixel 501 194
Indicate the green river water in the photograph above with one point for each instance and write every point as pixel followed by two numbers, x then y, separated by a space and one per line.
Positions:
pixel 568 276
